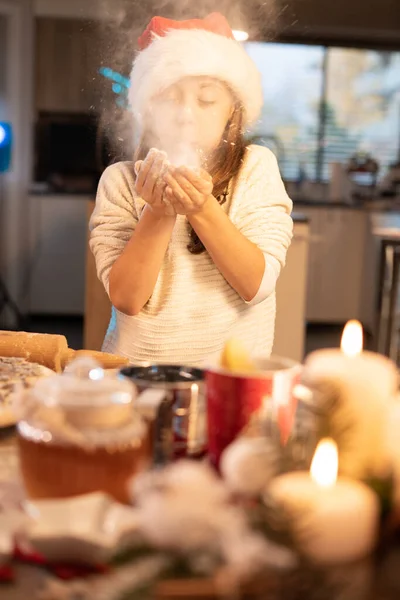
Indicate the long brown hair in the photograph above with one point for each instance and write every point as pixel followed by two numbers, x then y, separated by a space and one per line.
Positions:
pixel 223 166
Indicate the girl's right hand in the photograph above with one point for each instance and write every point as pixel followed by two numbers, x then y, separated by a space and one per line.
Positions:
pixel 150 184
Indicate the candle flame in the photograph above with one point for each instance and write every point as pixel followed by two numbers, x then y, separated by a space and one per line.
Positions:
pixel 324 466
pixel 352 339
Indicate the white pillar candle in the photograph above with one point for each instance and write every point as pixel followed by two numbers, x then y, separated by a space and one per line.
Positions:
pixel 366 385
pixel 333 521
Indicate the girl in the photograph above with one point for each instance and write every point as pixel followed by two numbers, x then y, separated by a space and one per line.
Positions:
pixel 189 239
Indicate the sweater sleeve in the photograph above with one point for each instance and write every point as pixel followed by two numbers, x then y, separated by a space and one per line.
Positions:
pixel 264 215
pixel 114 218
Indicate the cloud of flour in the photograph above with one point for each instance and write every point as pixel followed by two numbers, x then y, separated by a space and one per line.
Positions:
pixel 124 20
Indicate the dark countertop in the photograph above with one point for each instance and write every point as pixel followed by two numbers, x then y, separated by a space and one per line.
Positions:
pixel 326 204
pixel 382 205
pixel 386 224
pixel 298 217
pixel 47 194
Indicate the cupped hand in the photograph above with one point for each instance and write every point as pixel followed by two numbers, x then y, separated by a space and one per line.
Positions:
pixel 187 190
pixel 150 184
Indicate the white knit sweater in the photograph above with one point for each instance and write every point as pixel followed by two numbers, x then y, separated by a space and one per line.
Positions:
pixel 193 310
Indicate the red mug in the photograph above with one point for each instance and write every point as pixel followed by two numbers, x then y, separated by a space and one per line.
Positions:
pixel 232 399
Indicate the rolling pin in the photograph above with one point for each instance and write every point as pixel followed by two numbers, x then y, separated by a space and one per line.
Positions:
pixel 107 361
pixel 41 348
pixel 50 350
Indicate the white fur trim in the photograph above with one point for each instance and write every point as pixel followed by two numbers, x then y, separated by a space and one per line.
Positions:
pixel 195 52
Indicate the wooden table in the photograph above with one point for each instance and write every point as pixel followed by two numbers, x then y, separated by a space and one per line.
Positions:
pixel 363 581
pixel 29 579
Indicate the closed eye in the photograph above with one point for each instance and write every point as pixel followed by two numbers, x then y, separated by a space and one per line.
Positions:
pixel 207 102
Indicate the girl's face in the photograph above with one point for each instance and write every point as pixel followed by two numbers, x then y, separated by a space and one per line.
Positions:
pixel 190 117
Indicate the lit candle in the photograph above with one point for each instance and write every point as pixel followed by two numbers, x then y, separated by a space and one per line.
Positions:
pixel 334 520
pixel 358 389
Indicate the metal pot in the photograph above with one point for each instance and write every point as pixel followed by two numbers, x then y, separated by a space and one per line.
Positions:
pixel 180 420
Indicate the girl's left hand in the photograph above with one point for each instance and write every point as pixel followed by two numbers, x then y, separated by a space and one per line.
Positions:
pixel 187 191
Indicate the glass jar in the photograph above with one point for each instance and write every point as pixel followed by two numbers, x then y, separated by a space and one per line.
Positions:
pixel 79 432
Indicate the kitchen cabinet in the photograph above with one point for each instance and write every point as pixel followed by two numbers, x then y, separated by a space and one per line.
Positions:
pixel 291 294
pixel 338 238
pixel 58 254
pixel 67 62
pixel 97 302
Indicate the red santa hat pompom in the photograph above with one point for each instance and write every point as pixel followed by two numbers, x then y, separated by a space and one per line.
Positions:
pixel 170 50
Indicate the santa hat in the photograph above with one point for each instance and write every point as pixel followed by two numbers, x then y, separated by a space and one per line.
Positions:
pixel 171 50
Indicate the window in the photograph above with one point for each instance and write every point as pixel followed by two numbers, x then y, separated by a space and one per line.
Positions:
pixel 321 105
pixel 362 106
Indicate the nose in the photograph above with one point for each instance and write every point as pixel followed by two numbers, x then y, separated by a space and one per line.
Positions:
pixel 185 112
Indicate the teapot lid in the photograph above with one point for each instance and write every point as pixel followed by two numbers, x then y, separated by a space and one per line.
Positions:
pixel 87 394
